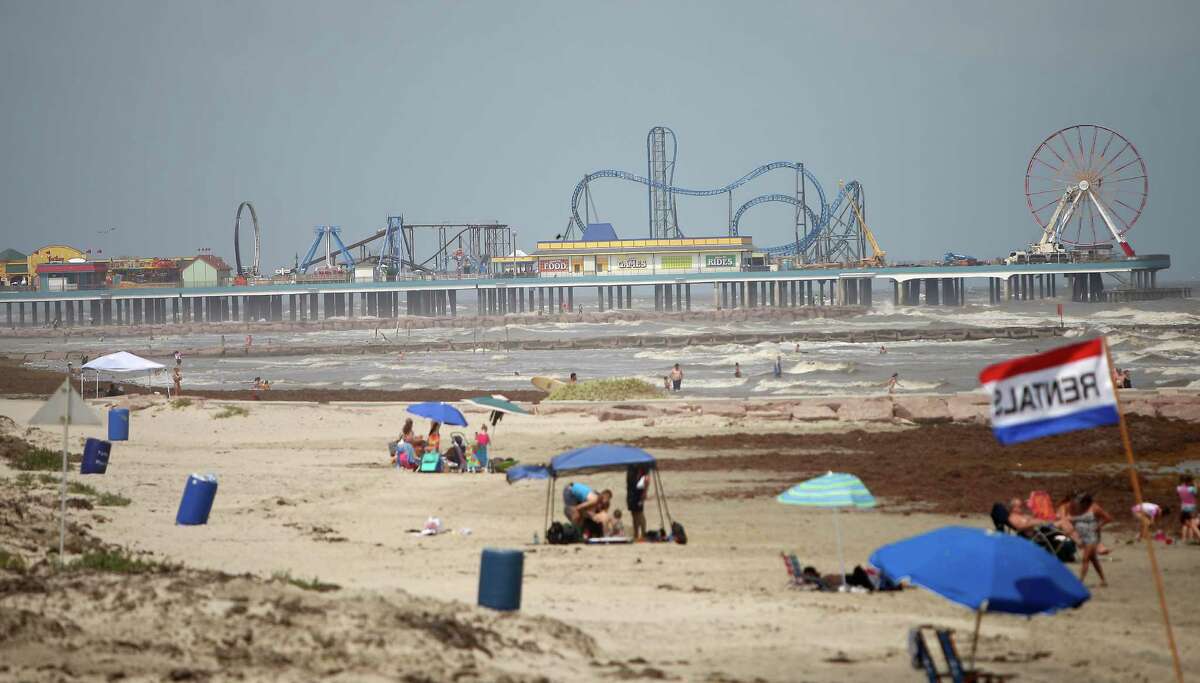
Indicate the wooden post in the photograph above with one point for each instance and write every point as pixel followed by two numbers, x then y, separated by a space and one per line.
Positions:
pixel 1137 497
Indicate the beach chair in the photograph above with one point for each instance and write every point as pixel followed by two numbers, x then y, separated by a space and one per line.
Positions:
pixel 796 576
pixel 431 462
pixel 921 657
pixel 958 673
pixel 1052 540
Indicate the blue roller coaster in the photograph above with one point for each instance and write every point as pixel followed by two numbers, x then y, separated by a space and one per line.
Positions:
pixel 830 234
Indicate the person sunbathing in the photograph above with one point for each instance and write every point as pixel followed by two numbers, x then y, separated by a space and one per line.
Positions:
pixel 1018 519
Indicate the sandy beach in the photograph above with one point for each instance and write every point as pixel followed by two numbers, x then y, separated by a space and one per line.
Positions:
pixel 305 488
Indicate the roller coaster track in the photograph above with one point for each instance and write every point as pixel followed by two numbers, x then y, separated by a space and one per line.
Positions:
pixel 818 222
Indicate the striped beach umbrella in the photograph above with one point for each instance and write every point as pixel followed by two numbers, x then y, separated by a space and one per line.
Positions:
pixel 831 490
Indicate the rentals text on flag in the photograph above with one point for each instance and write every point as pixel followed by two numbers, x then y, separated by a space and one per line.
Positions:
pixel 1058 391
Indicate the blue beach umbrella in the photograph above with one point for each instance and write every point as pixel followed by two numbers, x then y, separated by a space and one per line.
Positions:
pixel 984 571
pixel 439 412
pixel 832 490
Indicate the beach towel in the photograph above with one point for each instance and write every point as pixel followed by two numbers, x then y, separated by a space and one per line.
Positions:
pixel 1041 505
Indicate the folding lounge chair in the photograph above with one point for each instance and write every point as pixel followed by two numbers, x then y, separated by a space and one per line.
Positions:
pixel 921 657
pixel 1057 544
pixel 958 672
pixel 796 577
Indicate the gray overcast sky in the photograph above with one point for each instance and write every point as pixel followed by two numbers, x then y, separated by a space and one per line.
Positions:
pixel 160 117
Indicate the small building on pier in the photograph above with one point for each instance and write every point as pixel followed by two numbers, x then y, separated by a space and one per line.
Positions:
pixel 72 275
pixel 14 268
pixel 51 253
pixel 204 270
pixel 642 256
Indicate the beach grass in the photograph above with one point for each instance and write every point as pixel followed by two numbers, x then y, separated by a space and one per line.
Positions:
pixel 33 458
pixel 107 499
pixel 181 403
pixel 103 498
pixel 114 560
pixel 11 562
pixel 313 584
pixel 81 489
pixel 618 389
pixel 231 411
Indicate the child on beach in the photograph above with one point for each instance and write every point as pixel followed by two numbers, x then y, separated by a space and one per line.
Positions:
pixel 616 527
pixel 1148 514
pixel 1189 525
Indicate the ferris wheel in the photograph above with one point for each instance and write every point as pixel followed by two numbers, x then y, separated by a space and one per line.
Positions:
pixel 1086 185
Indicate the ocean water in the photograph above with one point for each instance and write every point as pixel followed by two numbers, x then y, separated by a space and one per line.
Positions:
pixel 1155 340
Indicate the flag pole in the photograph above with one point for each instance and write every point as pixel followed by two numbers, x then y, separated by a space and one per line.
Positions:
pixel 1137 496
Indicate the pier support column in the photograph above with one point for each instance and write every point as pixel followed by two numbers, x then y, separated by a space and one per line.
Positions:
pixel 174 311
pixel 933 294
pixel 571 299
pixel 600 298
pixel 687 293
pixel 669 301
pixel 452 301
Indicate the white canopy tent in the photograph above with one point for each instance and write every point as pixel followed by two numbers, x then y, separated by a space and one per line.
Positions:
pixel 121 362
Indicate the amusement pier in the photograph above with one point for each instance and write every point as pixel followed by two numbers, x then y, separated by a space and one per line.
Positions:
pixel 1085 186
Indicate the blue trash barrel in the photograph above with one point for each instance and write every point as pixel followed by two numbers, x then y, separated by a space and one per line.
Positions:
pixel 95 457
pixel 197 501
pixel 118 424
pixel 500 573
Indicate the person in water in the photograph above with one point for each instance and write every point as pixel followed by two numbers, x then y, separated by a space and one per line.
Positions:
pixel 737 369
pixel 676 377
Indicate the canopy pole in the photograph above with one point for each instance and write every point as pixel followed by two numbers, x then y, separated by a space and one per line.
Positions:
pixel 975 640
pixel 662 494
pixel 62 516
pixel 837 527
pixel 549 504
pixel 658 499
pixel 1137 496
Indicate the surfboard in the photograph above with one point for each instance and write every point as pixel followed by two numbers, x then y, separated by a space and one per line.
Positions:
pixel 547 384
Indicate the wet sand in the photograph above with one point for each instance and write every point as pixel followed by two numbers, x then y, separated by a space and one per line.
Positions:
pixel 306 489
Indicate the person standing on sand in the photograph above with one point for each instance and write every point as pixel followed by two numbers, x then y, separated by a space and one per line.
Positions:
pixel 1189 526
pixel 676 377
pixel 893 382
pixel 1088 518
pixel 177 377
pixel 637 488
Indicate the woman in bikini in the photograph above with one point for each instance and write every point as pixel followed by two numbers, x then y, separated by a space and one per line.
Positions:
pixel 1088 518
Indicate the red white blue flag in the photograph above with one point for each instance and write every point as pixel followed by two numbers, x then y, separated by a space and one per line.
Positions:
pixel 1058 391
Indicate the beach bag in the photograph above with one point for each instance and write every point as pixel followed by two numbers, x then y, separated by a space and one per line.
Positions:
pixel 431 462
pixel 562 534
pixel 678 533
